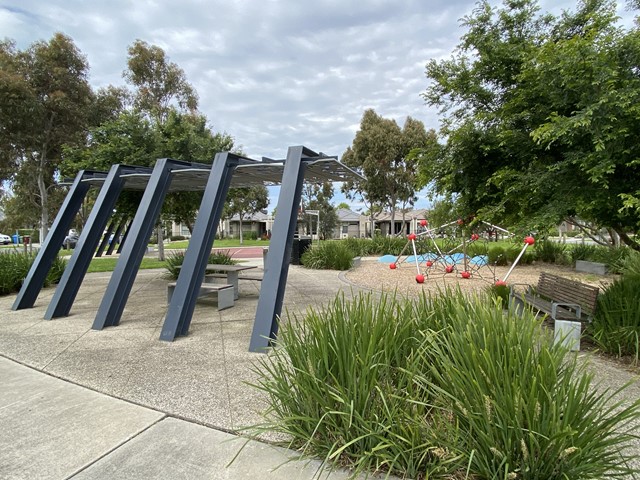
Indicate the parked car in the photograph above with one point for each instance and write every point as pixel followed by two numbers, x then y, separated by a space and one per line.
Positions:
pixel 5 239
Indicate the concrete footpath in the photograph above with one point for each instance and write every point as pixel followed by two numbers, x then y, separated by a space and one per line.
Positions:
pixel 54 429
pixel 120 403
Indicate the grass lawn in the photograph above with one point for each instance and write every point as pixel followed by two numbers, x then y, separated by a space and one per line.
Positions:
pixel 109 264
pixel 225 243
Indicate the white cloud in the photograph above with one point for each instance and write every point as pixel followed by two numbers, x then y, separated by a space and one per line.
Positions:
pixel 272 73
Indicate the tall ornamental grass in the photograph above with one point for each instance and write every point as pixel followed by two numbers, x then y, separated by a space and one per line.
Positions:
pixel 616 324
pixel 328 255
pixel 442 387
pixel 174 261
pixel 15 265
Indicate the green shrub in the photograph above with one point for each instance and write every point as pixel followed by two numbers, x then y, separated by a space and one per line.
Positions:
pixel 328 255
pixel 501 292
pixel 516 406
pixel 442 387
pixel 177 238
pixel 551 252
pixel 616 324
pixel 387 245
pixel 614 258
pixel 174 261
pixel 630 266
pixel 56 271
pixel 15 265
pixel 359 247
pixel 497 256
pixel 583 251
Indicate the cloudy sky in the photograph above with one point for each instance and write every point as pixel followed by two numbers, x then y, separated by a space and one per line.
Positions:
pixel 271 73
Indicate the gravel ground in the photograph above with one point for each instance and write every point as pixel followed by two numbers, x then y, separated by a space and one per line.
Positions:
pixel 379 277
pixel 608 373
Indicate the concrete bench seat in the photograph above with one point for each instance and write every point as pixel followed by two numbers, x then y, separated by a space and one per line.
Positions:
pixel 224 293
pixel 212 277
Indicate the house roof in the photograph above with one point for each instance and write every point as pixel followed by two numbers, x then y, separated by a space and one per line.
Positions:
pixel 346 215
pixel 419 214
pixel 254 217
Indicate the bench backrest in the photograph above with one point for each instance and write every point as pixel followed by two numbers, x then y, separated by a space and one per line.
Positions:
pixel 564 290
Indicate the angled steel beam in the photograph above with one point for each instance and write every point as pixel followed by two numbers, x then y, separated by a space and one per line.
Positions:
pixel 127 229
pixel 73 275
pixel 119 287
pixel 116 236
pixel 105 240
pixel 51 245
pixel 184 297
pixel 265 326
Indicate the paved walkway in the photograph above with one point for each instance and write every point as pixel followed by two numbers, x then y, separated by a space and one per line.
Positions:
pixel 120 403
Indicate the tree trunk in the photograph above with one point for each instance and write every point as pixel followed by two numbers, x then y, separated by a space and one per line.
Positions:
pixel 44 201
pixel 160 234
pixel 630 242
pixel 241 239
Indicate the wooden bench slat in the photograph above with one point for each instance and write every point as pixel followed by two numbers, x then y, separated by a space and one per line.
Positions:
pixel 552 289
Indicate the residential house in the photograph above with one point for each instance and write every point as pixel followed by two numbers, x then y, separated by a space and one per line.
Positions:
pixel 411 219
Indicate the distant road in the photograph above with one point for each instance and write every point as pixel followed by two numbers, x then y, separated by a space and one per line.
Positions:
pixel 242 252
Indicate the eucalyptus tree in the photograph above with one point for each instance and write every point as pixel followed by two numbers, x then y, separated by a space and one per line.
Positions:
pixel 380 152
pixel 246 201
pixel 46 103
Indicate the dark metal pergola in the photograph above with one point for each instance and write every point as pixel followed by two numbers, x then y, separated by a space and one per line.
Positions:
pixel 228 170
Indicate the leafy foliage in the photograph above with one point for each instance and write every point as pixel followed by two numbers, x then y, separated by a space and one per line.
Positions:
pixel 542 117
pixel 246 201
pixel 380 153
pixel 46 100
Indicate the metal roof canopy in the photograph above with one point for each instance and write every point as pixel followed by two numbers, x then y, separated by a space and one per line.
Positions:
pixel 193 177
pixel 168 175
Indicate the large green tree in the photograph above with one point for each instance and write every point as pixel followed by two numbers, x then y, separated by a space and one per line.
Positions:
pixel 246 201
pixel 160 85
pixel 380 153
pixel 46 103
pixel 540 117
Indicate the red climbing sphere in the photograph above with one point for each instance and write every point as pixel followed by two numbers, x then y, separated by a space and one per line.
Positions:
pixel 392 266
pixel 412 236
pixel 449 269
pixel 529 240
pixel 475 237
pixel 429 263
pixel 465 274
pixel 420 278
pixel 460 221
pixel 501 283
pixel 424 223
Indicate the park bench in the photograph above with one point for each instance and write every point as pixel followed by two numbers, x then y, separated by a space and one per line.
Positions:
pixel 224 293
pixel 561 298
pixel 566 301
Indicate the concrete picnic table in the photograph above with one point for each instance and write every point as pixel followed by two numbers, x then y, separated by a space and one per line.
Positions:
pixel 231 272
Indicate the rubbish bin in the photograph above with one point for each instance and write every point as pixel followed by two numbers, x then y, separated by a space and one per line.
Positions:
pixel 26 239
pixel 300 245
pixel 16 239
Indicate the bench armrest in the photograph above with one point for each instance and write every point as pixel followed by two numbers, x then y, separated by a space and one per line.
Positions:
pixel 555 305
pixel 512 291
